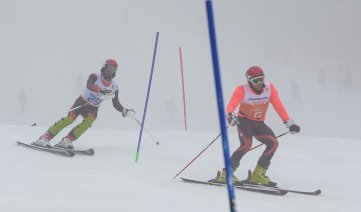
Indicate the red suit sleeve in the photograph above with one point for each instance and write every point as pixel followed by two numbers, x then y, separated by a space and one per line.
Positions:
pixel 277 104
pixel 237 97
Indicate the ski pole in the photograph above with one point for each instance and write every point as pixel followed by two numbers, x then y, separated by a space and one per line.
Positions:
pixel 199 153
pixel 75 108
pixel 156 142
pixel 262 143
pixel 211 144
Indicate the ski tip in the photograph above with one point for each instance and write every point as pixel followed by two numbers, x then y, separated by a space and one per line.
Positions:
pixel 318 192
pixel 91 152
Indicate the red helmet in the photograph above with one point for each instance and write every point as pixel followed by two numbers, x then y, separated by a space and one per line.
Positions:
pixel 254 71
pixel 109 69
pixel 111 62
pixel 255 78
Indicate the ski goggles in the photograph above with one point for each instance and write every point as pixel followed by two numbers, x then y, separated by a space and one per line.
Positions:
pixel 257 80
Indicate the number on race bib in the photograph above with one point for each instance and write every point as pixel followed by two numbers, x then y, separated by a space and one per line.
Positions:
pixel 94 100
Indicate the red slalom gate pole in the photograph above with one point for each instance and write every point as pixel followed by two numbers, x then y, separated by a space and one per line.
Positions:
pixel 184 97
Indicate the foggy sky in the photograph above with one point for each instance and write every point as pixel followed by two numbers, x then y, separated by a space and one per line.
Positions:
pixel 309 49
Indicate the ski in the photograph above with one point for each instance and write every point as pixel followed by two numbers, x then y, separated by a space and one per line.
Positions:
pixel 78 151
pixel 315 192
pixel 246 182
pixel 253 188
pixel 46 149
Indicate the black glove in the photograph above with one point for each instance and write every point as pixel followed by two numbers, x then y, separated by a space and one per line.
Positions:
pixel 128 113
pixel 232 119
pixel 294 128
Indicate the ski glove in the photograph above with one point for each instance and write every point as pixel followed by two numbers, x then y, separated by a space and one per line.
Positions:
pixel 232 119
pixel 128 113
pixel 294 128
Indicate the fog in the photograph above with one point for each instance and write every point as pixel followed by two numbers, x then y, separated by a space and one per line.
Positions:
pixel 310 49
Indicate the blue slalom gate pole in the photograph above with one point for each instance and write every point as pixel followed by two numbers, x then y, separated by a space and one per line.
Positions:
pixel 217 79
pixel 146 100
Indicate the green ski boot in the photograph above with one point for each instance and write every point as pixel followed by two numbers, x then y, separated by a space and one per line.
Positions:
pixel 259 177
pixel 222 178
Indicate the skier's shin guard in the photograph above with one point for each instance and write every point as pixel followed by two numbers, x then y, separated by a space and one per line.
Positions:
pixel 59 125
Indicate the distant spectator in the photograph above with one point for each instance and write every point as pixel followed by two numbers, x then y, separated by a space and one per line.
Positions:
pixel 171 109
pixel 346 83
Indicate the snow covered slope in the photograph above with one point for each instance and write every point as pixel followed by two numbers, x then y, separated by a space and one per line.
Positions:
pixel 111 180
